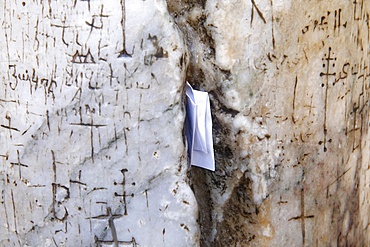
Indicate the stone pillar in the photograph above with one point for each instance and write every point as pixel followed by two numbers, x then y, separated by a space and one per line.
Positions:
pixel 289 86
pixel 91 119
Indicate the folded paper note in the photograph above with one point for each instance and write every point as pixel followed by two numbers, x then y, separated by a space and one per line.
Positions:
pixel 198 125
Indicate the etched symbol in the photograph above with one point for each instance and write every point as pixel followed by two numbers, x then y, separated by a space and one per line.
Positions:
pixel 91 125
pixel 19 164
pixel 123 195
pixel 302 217
pixel 357 9
pixel 83 58
pixel 9 127
pixel 338 20
pixel 60 194
pixel 123 52
pixel 115 242
pixel 329 63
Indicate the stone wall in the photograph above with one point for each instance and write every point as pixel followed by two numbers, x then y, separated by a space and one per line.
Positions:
pixel 92 109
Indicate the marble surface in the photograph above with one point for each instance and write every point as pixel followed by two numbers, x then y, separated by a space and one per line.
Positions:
pixel 92 152
pixel 289 85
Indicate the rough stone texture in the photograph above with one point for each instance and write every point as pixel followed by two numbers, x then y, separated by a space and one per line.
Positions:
pixel 289 84
pixel 92 147
pixel 91 118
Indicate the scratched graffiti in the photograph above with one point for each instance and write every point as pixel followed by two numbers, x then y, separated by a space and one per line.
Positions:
pixel 91 148
pixel 81 90
pixel 290 98
pixel 335 119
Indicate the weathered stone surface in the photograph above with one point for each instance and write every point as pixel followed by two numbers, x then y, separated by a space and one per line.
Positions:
pixel 289 83
pixel 91 123
pixel 91 126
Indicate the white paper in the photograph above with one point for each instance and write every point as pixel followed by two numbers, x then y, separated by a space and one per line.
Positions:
pixel 198 127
